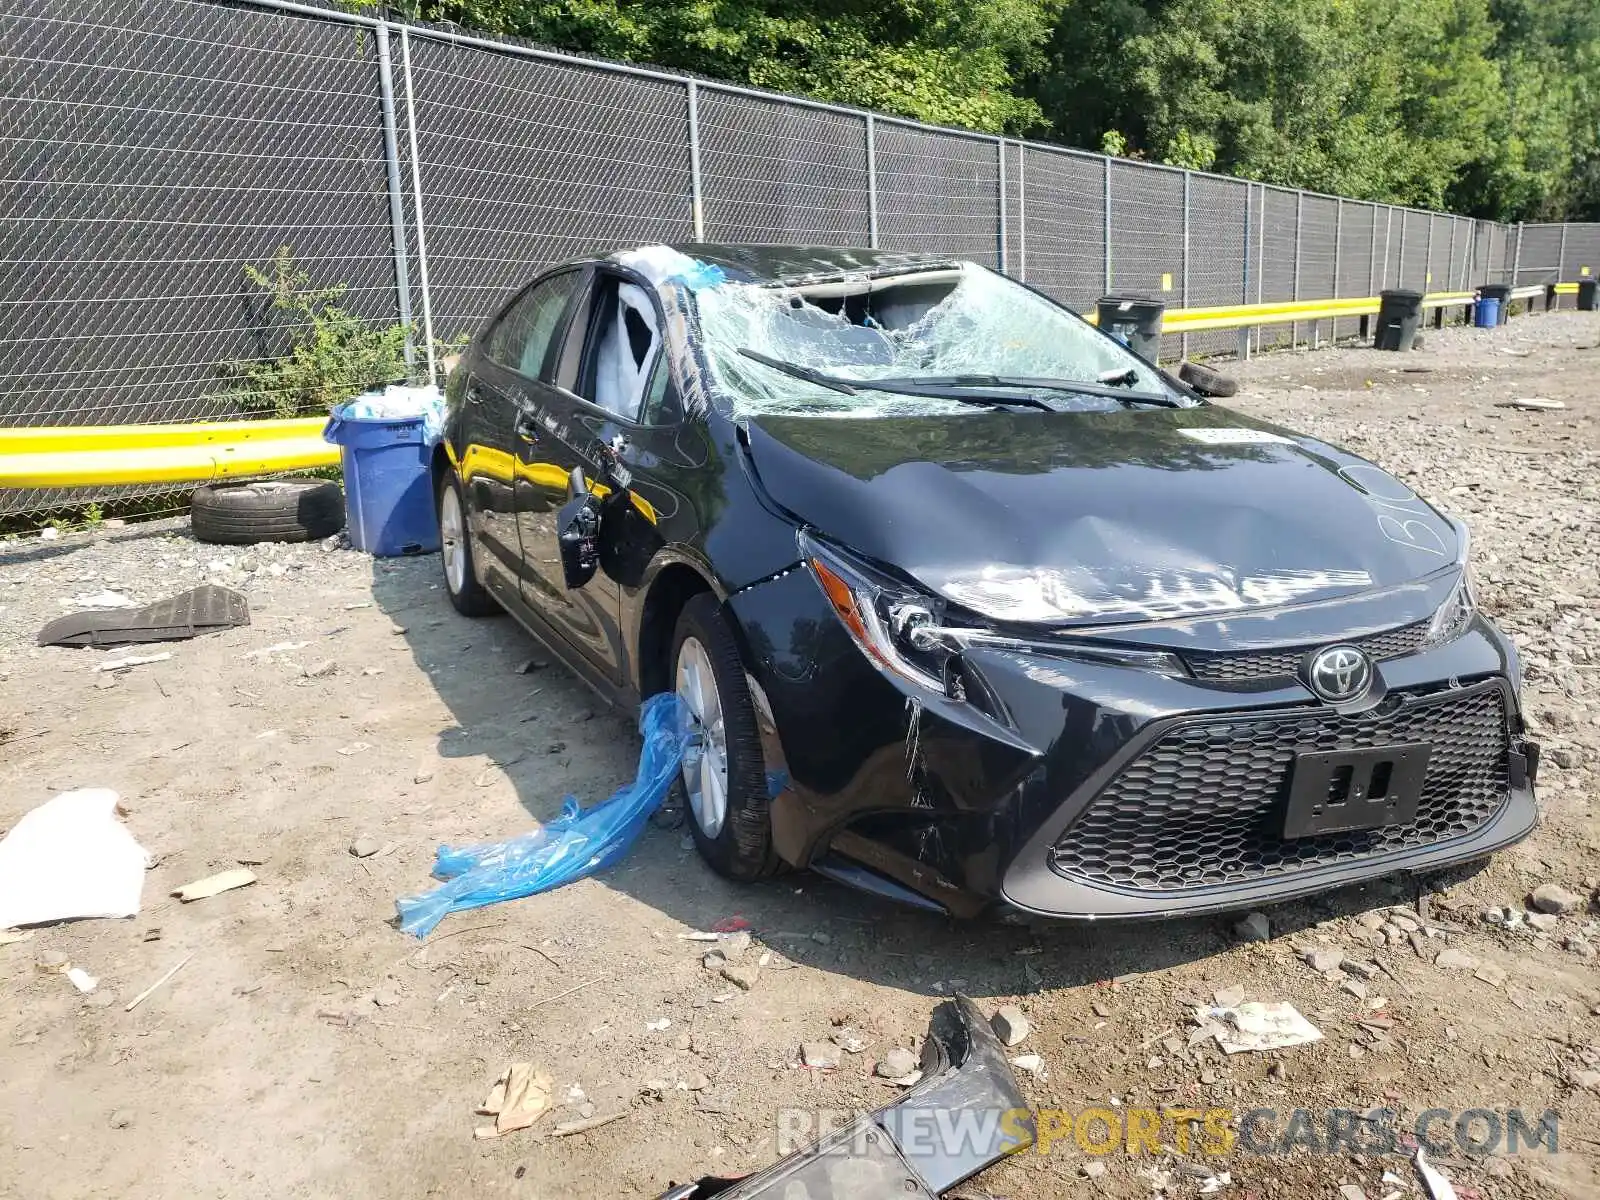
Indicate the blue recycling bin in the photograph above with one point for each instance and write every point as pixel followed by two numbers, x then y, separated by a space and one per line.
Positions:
pixel 1486 312
pixel 388 496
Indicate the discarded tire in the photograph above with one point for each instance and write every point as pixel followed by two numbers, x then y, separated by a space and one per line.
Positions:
pixel 1206 381
pixel 268 510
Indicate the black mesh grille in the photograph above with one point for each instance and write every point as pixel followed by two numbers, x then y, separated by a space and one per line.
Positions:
pixel 1204 804
pixel 1265 666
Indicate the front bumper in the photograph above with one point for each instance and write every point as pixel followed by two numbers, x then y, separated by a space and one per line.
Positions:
pixel 964 805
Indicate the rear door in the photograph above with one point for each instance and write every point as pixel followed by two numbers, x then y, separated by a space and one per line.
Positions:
pixel 509 361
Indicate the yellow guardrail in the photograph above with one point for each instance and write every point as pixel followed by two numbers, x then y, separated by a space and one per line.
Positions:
pixel 1283 312
pixel 107 455
pixel 1566 289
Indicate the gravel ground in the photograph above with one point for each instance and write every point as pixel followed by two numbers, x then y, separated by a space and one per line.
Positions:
pixel 309 1049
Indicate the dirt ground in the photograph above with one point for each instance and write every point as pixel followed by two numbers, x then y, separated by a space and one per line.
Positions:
pixel 308 1048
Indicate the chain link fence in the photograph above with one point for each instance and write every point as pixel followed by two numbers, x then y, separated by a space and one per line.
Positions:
pixel 152 149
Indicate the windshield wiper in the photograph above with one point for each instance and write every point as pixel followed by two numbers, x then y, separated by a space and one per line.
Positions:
pixel 808 374
pixel 940 389
pixel 1079 387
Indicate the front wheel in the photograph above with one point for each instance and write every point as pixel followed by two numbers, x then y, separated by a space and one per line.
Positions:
pixel 469 596
pixel 724 776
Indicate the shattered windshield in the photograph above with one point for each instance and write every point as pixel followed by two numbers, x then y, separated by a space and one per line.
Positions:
pixel 956 327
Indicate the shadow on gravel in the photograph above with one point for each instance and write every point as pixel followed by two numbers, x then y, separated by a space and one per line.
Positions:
pixel 516 718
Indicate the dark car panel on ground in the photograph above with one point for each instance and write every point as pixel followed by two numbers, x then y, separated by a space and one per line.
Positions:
pixel 973 607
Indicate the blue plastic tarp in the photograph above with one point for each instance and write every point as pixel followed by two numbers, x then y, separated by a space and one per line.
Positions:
pixel 577 843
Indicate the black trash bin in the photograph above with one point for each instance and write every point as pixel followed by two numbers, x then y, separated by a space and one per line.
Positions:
pixel 1134 322
pixel 1500 292
pixel 1399 317
pixel 1586 296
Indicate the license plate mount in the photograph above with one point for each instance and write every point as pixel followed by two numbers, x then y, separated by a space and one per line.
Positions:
pixel 1339 791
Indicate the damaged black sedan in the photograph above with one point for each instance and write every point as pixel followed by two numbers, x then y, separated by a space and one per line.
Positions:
pixel 972 606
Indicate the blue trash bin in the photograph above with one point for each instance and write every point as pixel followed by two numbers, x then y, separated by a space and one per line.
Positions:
pixel 388 497
pixel 1486 312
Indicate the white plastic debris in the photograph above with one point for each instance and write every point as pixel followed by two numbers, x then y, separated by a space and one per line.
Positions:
pixel 1439 1188
pixel 82 980
pixel 70 858
pixel 1258 1025
pixel 399 402
pixel 133 660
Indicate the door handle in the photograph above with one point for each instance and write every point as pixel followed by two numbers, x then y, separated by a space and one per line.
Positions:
pixel 526 429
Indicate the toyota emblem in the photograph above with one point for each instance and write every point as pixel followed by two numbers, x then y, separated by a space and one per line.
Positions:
pixel 1339 673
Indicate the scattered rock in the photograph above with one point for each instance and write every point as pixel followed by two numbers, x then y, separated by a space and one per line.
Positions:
pixel 698 1082
pixel 713 960
pixel 820 1056
pixel 1553 898
pixel 1578 946
pixel 896 1064
pixel 1490 974
pixel 848 1040
pixel 531 665
pixel 422 777
pixel 387 996
pixel 1253 928
pixel 1010 1026
pixel 741 976
pixel 365 846
pixel 1364 970
pixel 1542 922
pixel 1094 1168
pixel 734 945
pixel 683 1041
pixel 1564 757
pixel 1456 960
pixel 1324 960
pixel 120 1118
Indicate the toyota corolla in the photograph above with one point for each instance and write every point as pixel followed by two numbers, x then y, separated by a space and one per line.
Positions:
pixel 972 606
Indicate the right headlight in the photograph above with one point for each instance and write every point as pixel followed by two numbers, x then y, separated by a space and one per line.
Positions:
pixel 903 630
pixel 1450 619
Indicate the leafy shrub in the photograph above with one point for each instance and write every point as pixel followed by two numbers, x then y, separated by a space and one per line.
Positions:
pixel 332 353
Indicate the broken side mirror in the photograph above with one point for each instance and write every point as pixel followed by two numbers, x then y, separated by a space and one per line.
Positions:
pixel 1211 384
pixel 578 531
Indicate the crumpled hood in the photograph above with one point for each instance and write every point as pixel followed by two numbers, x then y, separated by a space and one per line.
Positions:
pixel 1093 517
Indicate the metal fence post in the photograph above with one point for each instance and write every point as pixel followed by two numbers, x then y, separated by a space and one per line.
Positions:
pixel 1107 231
pixel 1427 257
pixel 1244 281
pixel 397 215
pixel 1450 260
pixel 416 206
pixel 1400 271
pixel 1183 283
pixel 1372 253
pixel 1561 254
pixel 696 207
pixel 1000 175
pixel 1299 226
pixel 1022 211
pixel 1516 258
pixel 1338 232
pixel 872 181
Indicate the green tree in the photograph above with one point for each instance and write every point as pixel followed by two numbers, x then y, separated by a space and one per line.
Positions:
pixel 950 62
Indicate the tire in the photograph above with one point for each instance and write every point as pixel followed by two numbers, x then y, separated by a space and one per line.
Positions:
pixel 1208 382
pixel 267 510
pixel 470 598
pixel 741 847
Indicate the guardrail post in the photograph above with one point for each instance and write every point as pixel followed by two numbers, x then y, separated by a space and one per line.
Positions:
pixel 697 213
pixel 872 181
pixel 397 215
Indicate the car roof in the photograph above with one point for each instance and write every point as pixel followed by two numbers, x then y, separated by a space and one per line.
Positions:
pixel 794 264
